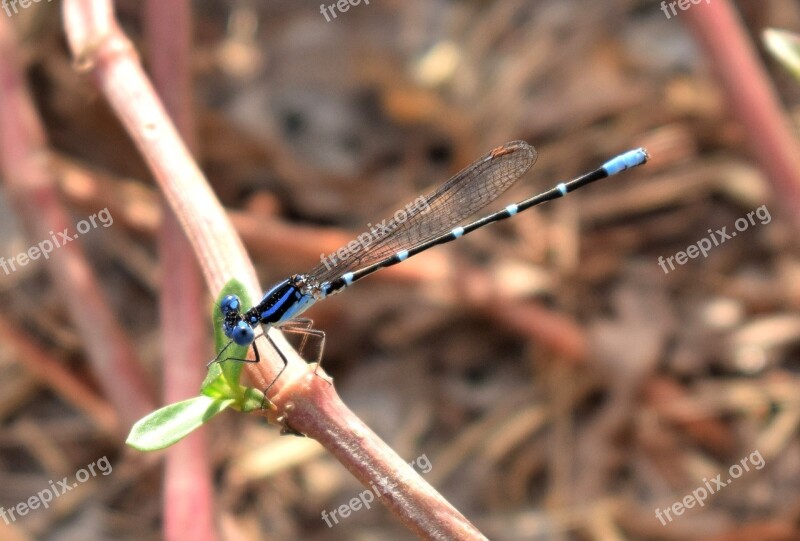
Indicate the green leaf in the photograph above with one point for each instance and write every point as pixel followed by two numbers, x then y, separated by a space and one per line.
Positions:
pixel 171 423
pixel 221 389
pixel 216 386
pixel 230 371
pixel 785 46
pixel 253 400
pixel 223 377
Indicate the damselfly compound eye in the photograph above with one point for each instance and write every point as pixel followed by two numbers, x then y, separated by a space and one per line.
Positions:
pixel 229 304
pixel 242 334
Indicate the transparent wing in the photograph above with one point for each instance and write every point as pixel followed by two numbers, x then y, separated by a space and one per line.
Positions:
pixel 431 215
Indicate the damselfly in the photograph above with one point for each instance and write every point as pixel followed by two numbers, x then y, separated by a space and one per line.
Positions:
pixel 436 218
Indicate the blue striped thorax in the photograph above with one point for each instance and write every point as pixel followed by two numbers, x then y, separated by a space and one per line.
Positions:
pixel 286 300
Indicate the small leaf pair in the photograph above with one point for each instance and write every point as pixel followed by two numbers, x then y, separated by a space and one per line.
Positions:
pixel 220 390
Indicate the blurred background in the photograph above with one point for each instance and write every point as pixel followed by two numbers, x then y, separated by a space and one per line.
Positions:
pixel 560 380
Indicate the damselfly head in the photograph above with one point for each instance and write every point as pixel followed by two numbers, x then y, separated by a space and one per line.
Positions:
pixel 234 325
pixel 241 333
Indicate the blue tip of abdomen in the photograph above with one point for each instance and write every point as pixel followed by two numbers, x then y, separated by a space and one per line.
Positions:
pixel 630 159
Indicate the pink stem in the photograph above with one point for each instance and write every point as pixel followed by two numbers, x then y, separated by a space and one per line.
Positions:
pixel 27 170
pixel 188 488
pixel 753 100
